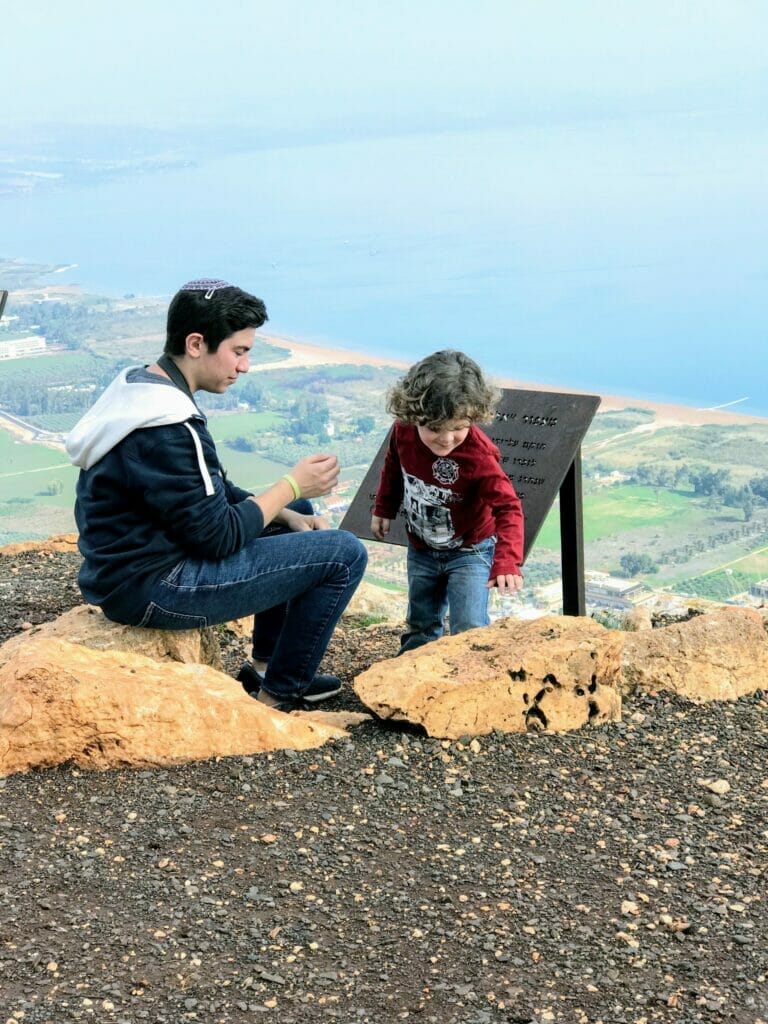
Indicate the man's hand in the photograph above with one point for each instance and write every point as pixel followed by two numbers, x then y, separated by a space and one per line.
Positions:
pixel 507 584
pixel 316 475
pixel 297 522
pixel 379 527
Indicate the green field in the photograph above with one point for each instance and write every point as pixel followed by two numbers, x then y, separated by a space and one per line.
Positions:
pixel 742 450
pixel 754 564
pixel 27 471
pixel 749 566
pixel 19 457
pixel 242 424
pixel 248 470
pixel 607 425
pixel 616 510
pixel 54 422
pixel 65 368
pixel 722 585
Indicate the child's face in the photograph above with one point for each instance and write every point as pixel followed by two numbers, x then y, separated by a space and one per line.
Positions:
pixel 442 438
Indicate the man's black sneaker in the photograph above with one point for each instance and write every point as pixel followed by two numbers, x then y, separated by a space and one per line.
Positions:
pixel 251 679
pixel 321 688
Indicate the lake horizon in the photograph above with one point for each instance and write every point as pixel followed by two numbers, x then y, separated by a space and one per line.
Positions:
pixel 576 256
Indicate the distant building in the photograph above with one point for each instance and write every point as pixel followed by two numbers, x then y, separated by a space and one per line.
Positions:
pixel 15 348
pixel 759 590
pixel 614 477
pixel 604 591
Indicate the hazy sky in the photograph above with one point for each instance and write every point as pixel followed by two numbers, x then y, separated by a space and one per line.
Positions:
pixel 297 61
pixel 586 175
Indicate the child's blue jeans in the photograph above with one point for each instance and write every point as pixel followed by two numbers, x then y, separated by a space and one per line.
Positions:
pixel 454 581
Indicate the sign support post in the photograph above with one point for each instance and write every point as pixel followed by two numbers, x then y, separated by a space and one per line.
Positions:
pixel 572 540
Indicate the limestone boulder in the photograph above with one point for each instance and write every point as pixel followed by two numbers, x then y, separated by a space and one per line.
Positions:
pixel 718 656
pixel 378 604
pixel 638 619
pixel 555 673
pixel 61 702
pixel 341 719
pixel 66 542
pixel 86 625
pixel 242 628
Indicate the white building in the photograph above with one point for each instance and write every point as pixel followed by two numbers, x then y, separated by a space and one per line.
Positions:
pixel 604 591
pixel 15 348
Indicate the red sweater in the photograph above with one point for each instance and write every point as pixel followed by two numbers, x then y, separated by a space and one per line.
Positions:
pixel 452 501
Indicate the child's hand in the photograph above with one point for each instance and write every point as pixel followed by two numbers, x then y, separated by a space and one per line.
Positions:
pixel 508 584
pixel 379 527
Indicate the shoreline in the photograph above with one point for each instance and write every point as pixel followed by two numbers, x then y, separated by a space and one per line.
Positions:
pixel 306 353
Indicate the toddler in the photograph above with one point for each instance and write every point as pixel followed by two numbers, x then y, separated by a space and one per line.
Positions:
pixel 463 518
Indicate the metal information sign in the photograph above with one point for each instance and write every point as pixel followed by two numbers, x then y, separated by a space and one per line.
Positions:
pixel 539 435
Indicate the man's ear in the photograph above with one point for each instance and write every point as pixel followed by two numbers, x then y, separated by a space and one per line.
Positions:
pixel 195 345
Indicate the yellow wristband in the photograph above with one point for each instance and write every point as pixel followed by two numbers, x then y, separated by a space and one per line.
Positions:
pixel 294 486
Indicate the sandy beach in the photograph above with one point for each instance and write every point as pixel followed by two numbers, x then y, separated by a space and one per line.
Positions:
pixel 305 353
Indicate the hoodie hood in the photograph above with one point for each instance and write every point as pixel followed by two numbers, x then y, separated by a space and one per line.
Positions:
pixel 123 408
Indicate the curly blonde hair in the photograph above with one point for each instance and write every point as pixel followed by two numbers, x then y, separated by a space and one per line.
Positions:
pixel 445 386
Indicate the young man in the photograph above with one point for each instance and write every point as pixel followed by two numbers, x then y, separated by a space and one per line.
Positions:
pixel 169 542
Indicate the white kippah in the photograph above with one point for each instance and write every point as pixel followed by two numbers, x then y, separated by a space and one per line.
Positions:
pixel 205 284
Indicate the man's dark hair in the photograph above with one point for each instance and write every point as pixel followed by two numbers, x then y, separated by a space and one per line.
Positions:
pixel 212 308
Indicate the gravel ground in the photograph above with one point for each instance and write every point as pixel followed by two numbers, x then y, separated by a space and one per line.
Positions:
pixel 587 877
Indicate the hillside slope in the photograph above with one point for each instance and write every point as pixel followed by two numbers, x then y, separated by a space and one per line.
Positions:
pixel 586 877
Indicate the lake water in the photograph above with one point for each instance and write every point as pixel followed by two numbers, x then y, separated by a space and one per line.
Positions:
pixel 624 258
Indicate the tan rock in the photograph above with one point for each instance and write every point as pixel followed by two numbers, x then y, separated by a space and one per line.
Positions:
pixel 638 618
pixel 718 656
pixel 370 601
pixel 341 719
pixel 103 709
pixel 242 628
pixel 555 673
pixel 86 625
pixel 717 786
pixel 59 542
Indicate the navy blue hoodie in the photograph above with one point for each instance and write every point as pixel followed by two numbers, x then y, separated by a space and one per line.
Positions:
pixel 151 493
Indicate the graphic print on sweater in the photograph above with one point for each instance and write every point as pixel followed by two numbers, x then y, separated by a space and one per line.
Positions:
pixel 427 512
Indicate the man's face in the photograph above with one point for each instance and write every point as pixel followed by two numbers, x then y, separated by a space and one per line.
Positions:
pixel 216 371
pixel 442 438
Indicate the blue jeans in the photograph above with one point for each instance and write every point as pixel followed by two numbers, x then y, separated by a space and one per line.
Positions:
pixel 268 624
pixel 453 581
pixel 302 581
